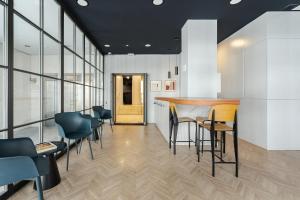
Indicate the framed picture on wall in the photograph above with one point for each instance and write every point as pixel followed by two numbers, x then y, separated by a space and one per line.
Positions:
pixel 155 86
pixel 170 85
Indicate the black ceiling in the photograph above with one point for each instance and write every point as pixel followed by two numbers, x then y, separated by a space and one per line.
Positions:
pixel 138 22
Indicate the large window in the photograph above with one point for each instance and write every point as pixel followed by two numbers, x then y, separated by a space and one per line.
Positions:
pixel 3 77
pixel 41 68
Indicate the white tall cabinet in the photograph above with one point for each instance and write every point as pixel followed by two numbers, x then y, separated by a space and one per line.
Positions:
pixel 261 65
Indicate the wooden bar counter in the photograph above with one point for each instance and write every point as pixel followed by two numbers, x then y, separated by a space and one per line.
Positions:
pixel 198 101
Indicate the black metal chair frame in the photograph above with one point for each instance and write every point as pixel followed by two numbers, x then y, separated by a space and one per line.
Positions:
pixel 173 124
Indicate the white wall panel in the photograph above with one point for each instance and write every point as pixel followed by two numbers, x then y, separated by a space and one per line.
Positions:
pixel 283 124
pixel 284 68
pixel 255 64
pixel 253 121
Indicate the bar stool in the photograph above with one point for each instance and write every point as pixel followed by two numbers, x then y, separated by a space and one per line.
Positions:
pixel 174 123
pixel 217 121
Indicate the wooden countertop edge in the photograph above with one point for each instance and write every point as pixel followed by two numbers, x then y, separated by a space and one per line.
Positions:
pixel 205 102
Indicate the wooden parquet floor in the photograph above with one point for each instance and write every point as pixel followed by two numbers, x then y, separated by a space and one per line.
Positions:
pixel 136 164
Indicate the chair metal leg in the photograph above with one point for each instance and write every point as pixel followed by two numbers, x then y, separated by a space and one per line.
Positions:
pixel 175 138
pixel 212 140
pixel 189 124
pixel 221 146
pixel 198 143
pixel 91 151
pixel 202 141
pixel 235 143
pixel 111 126
pixel 196 136
pixel 68 154
pixel 77 151
pixel 224 142
pixel 100 136
pixel 80 145
pixel 39 189
pixel 170 133
pixel 216 140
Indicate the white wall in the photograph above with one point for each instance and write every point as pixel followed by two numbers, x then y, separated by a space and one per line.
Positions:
pixel 261 65
pixel 156 67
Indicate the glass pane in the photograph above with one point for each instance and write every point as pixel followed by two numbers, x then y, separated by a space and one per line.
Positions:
pixel 101 97
pixel 101 80
pixel 50 131
pixel 29 8
pixel 26 92
pixel 101 62
pixel 87 50
pixel 79 42
pixel 52 18
pixel 87 97
pixel 93 96
pixel 26 46
pixel 51 97
pixel 3 135
pixel 79 70
pixel 93 76
pixel 32 131
pixel 79 97
pixel 51 57
pixel 93 55
pixel 98 79
pixel 69 66
pixel 3 98
pixel 87 74
pixel 69 97
pixel 69 32
pixel 2 36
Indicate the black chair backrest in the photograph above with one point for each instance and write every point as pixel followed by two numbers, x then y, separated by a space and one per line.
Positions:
pixel 17 147
pixel 70 121
pixel 98 108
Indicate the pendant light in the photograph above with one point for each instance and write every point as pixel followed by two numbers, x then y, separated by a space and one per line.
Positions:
pixel 176 67
pixel 169 72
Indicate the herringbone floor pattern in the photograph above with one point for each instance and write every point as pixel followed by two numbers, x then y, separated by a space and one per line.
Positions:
pixel 136 164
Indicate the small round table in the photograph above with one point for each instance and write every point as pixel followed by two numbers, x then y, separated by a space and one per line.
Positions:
pixel 52 179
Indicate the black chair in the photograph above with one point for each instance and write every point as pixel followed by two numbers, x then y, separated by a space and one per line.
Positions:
pixel 14 169
pixel 103 114
pixel 73 126
pixel 19 150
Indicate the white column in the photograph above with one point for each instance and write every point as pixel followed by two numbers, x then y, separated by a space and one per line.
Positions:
pixel 199 59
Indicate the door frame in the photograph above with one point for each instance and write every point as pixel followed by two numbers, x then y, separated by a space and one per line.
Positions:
pixel 113 96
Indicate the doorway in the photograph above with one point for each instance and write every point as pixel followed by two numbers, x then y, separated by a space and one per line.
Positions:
pixel 129 98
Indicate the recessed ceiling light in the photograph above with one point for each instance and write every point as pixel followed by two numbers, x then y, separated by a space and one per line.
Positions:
pixel 147 45
pixel 82 2
pixel 109 53
pixel 232 2
pixel 158 2
pixel 127 45
pixel 107 45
